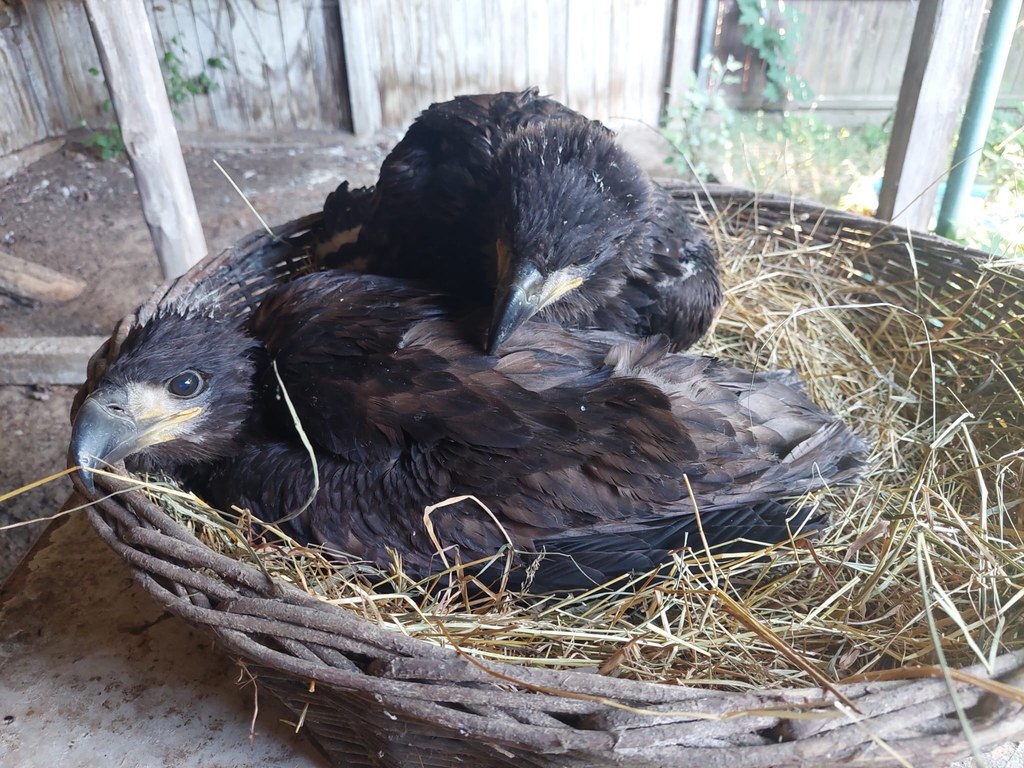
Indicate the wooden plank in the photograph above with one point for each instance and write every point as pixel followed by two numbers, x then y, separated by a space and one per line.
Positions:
pixel 511 21
pixel 538 49
pixel 640 39
pixel 558 24
pixel 422 89
pixel 447 31
pixel 466 24
pixel 362 62
pixel 229 107
pixel 65 52
pixel 263 51
pixel 178 39
pixel 494 39
pixel 250 66
pixel 293 23
pixel 169 23
pixel 125 44
pixel 276 64
pixel 888 31
pixel 850 49
pixel 463 23
pixel 685 45
pixel 581 41
pixel 280 75
pixel 13 162
pixel 42 360
pixel 471 48
pixel 652 48
pixel 327 64
pixel 21 123
pixel 606 39
pixel 198 45
pixel 933 92
pixel 31 282
pixel 626 73
pixel 195 37
pixel 478 62
pixel 1011 90
pixel 247 96
pixel 33 78
pixel 394 79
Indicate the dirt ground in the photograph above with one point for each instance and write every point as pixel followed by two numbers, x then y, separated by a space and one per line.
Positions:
pixel 79 215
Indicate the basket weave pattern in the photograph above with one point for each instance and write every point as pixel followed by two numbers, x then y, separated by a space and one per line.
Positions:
pixel 369 696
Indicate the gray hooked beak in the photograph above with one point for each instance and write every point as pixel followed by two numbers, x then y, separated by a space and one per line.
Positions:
pixel 516 300
pixel 104 432
pixel 522 295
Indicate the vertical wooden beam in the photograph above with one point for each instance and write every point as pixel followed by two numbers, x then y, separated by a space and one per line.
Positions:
pixel 932 95
pixel 125 43
pixel 362 65
pixel 682 64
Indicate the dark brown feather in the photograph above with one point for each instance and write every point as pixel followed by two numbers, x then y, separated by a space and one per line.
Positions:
pixel 567 436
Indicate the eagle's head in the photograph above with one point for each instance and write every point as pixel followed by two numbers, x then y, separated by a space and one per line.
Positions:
pixel 178 394
pixel 570 205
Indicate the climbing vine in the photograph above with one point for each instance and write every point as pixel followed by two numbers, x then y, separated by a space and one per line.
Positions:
pixel 773 29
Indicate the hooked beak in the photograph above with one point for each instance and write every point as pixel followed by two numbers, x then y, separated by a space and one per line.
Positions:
pixel 107 430
pixel 104 432
pixel 522 295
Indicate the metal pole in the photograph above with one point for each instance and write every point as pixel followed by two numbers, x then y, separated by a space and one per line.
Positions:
pixel 708 22
pixel 995 48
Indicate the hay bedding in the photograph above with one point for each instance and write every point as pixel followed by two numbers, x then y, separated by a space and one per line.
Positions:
pixel 917 347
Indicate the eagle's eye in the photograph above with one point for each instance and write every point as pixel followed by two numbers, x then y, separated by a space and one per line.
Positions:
pixel 186 384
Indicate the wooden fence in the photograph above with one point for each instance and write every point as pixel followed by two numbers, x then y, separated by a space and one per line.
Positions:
pixel 851 53
pixel 607 58
pixel 328 65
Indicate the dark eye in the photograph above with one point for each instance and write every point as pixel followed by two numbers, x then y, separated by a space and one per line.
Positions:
pixel 186 384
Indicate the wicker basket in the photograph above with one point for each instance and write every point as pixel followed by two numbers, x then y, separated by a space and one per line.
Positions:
pixel 369 696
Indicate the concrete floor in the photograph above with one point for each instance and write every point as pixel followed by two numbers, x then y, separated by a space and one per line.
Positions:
pixel 94 673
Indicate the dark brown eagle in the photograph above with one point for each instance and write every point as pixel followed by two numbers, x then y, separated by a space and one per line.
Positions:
pixel 585 445
pixel 515 202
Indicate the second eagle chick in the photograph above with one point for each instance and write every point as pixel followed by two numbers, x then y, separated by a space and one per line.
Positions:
pixel 514 201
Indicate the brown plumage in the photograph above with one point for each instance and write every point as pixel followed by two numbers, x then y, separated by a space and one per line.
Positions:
pixel 514 202
pixel 585 445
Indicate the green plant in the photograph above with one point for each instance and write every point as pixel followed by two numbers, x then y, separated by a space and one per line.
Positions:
pixel 108 142
pixel 801 154
pixel 773 29
pixel 699 126
pixel 1002 159
pixel 181 86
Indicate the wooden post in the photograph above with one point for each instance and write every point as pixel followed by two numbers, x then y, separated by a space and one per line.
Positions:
pixel 128 56
pixel 932 96
pixel 685 47
pixel 362 65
